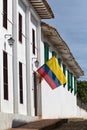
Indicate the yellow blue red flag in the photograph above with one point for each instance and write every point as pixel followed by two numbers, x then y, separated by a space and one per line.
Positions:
pixel 52 73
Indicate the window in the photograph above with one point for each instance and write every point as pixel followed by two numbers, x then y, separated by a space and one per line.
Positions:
pixel 33 41
pixel 20 83
pixel 59 61
pixel 20 27
pixel 5 75
pixel 46 52
pixel 64 69
pixel 35 92
pixel 69 80
pixel 75 86
pixel 5 14
pixel 54 53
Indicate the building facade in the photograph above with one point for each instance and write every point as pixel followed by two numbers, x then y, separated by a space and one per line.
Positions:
pixel 60 102
pixel 25 41
pixel 20 31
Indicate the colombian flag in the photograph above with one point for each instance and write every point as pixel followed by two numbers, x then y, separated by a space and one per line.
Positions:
pixel 52 73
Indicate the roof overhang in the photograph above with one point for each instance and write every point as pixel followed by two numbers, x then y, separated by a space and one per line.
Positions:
pixel 63 50
pixel 42 8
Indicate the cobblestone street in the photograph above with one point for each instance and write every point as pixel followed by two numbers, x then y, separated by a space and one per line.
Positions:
pixel 78 125
pixel 55 124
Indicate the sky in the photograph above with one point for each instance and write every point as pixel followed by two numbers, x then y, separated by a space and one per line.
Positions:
pixel 71 23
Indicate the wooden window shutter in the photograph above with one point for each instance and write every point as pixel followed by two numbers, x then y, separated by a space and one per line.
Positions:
pixel 75 86
pixel 69 80
pixel 5 14
pixel 20 83
pixel 5 75
pixel 33 41
pixel 54 53
pixel 35 92
pixel 46 52
pixel 64 69
pixel 59 61
pixel 20 27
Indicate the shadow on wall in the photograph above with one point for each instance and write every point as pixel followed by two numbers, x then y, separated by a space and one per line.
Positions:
pixel 17 123
pixel 81 104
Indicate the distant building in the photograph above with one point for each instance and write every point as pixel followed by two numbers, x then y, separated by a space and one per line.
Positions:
pixel 23 40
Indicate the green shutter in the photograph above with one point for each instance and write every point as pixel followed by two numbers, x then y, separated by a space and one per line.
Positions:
pixel 75 86
pixel 64 71
pixel 59 61
pixel 46 52
pixel 54 53
pixel 69 80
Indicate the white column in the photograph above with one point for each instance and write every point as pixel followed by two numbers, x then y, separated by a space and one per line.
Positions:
pixel 0 55
pixel 15 59
pixel 28 71
pixel 39 99
pixel 0 79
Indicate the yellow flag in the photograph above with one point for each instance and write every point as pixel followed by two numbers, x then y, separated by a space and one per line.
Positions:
pixel 56 69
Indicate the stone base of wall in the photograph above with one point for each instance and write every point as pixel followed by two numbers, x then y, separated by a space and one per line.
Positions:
pixel 13 120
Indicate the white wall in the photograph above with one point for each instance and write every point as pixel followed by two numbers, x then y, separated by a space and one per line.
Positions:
pixel 25 53
pixel 8 102
pixel 4 46
pixel 18 53
pixel 34 24
pixel 81 113
pixel 22 108
pixel 57 103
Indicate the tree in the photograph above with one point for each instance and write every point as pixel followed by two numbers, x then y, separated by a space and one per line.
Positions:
pixel 82 91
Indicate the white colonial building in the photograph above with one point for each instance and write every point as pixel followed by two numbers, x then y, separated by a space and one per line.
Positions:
pixel 24 42
pixel 20 35
pixel 60 102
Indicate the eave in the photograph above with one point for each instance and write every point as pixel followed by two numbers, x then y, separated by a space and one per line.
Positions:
pixel 63 50
pixel 42 8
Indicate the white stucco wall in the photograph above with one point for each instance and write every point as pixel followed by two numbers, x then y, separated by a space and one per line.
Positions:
pixel 57 103
pixel 21 49
pixel 4 46
pixel 12 109
pixel 81 113
pixel 8 102
pixel 34 24
pixel 25 56
pixel 17 53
